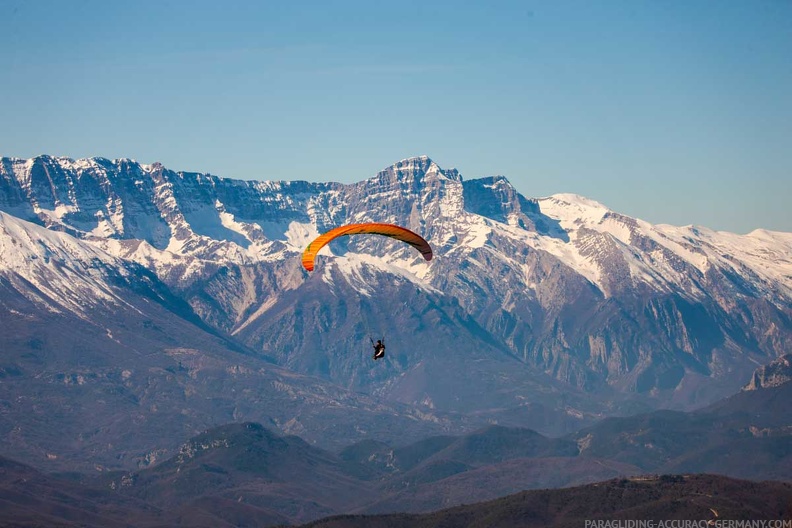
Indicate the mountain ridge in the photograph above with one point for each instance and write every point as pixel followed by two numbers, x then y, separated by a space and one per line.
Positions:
pixel 248 473
pixel 556 301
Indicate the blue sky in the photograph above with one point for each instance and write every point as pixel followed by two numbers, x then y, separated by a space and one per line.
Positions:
pixel 673 111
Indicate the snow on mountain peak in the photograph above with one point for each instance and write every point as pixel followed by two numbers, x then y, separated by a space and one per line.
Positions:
pixel 657 255
pixel 232 248
pixel 423 158
pixel 67 273
pixel 210 219
pixel 572 208
pixel 425 166
pixel 357 270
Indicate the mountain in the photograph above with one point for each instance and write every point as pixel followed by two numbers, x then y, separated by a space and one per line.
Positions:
pixel 489 463
pixel 103 367
pixel 776 373
pixel 486 446
pixel 285 477
pixel 281 477
pixel 746 436
pixel 546 313
pixel 30 498
pixel 249 474
pixel 691 497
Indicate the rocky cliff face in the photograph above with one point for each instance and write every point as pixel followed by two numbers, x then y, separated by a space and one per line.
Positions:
pixel 526 301
pixel 774 374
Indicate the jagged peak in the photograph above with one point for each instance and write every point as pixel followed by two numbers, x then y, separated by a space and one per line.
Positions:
pixel 421 163
pixel 39 158
pixel 573 208
pixel 424 165
pixel 14 161
pixel 49 157
pixel 577 200
pixel 131 161
pixel 422 158
pixel 774 374
pixel 74 163
pixel 493 182
pixel 70 163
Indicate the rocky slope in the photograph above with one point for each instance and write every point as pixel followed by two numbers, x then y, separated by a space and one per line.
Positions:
pixel 533 301
pixel 775 374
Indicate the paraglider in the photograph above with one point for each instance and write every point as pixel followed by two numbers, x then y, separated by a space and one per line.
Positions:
pixel 379 349
pixel 388 230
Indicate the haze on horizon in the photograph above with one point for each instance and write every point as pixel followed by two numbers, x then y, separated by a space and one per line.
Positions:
pixel 674 113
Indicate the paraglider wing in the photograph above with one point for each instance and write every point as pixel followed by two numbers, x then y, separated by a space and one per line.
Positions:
pixel 388 230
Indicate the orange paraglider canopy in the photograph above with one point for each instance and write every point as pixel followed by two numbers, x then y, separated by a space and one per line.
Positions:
pixel 388 230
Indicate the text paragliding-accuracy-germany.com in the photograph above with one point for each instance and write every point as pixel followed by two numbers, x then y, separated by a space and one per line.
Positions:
pixel 685 523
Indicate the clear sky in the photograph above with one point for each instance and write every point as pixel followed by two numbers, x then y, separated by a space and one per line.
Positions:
pixel 674 111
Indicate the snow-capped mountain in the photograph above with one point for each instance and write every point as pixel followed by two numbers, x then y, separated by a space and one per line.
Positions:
pixel 524 299
pixel 103 367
